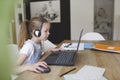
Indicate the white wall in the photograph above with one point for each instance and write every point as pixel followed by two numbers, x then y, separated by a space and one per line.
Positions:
pixel 81 17
pixel 117 20
pixel 82 12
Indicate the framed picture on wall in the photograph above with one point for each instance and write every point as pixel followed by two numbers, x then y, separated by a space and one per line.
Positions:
pixel 49 10
pixel 57 12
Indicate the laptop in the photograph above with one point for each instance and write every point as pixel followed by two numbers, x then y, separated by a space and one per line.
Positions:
pixel 63 58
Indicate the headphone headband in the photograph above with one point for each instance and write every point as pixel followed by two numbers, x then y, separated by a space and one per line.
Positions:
pixel 37 32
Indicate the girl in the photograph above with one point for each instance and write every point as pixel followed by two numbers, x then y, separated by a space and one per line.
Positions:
pixel 31 34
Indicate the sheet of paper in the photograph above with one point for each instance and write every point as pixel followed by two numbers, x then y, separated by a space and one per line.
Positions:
pixel 73 46
pixel 70 77
pixel 90 73
pixel 87 73
pixel 73 77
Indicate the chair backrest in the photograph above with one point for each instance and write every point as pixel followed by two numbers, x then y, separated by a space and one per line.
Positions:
pixel 14 51
pixel 92 36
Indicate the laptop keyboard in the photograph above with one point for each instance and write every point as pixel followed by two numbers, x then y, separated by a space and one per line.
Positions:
pixel 65 58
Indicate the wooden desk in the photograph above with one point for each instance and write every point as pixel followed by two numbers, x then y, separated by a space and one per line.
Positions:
pixel 109 61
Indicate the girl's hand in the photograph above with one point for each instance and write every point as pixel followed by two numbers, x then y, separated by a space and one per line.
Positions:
pixel 36 67
pixel 56 49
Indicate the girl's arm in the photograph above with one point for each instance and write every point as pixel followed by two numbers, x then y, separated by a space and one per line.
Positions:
pixel 55 49
pixel 20 67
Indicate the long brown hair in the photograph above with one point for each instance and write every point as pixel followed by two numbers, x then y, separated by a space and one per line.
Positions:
pixel 27 28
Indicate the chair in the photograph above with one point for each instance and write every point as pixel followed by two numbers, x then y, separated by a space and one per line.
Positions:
pixel 14 51
pixel 92 36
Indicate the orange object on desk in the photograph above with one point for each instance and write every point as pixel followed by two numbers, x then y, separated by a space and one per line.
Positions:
pixel 117 48
pixel 101 46
pixel 107 47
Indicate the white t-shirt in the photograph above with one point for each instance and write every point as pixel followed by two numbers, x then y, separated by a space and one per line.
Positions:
pixel 32 50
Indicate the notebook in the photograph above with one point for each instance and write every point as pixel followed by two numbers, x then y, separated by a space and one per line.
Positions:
pixel 63 58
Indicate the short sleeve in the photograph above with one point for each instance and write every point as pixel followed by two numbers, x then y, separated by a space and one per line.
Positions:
pixel 27 49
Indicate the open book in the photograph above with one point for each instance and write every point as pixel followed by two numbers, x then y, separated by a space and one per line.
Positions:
pixel 107 48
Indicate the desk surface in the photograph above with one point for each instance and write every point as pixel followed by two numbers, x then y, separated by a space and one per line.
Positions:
pixel 109 61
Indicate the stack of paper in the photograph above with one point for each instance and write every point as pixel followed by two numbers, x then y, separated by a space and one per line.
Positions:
pixel 87 73
pixel 72 46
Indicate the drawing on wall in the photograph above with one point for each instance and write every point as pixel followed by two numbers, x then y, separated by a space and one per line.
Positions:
pixel 104 17
pixel 49 10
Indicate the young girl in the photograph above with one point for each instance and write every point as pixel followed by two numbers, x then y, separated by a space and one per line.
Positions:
pixel 31 34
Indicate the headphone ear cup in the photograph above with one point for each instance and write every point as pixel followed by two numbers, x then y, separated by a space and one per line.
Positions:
pixel 37 33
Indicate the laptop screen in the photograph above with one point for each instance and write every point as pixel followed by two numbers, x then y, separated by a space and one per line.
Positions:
pixel 79 40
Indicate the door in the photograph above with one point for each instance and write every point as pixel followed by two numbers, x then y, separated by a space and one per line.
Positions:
pixel 82 12
pixel 104 10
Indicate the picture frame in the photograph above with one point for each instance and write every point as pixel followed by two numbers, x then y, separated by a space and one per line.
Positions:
pixel 49 10
pixel 57 26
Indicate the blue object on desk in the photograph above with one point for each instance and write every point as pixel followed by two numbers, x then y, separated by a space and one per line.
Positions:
pixel 88 45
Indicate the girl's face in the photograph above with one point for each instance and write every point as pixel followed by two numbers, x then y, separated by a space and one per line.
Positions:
pixel 45 31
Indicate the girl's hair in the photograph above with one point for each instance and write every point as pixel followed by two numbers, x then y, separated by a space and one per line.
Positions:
pixel 27 28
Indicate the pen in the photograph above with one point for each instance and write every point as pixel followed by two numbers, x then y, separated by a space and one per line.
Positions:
pixel 68 45
pixel 67 72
